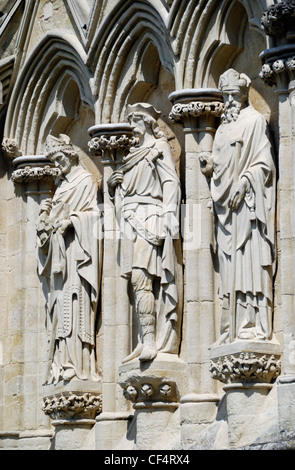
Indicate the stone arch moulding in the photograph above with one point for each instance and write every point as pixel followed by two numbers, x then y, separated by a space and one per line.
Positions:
pixel 38 103
pixel 211 35
pixel 117 55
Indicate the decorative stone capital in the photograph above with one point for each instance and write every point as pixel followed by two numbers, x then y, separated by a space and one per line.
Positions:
pixel 68 405
pixel 157 385
pixel 278 66
pixel 30 169
pixel 110 138
pixel 246 362
pixel 74 400
pixel 194 103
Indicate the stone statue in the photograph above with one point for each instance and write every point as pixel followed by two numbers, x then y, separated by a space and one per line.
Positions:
pixel 69 258
pixel 146 193
pixel 242 178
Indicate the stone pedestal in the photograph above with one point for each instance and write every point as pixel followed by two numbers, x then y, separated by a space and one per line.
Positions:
pixel 154 389
pixel 73 407
pixel 248 370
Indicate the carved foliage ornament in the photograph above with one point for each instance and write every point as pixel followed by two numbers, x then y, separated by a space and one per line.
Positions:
pixel 71 405
pixel 273 18
pixel 246 367
pixel 98 145
pixel 32 174
pixel 270 70
pixel 181 111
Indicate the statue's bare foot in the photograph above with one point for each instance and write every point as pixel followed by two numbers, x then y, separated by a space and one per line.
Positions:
pixel 149 352
pixel 134 354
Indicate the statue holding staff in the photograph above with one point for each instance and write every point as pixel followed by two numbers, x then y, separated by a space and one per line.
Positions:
pixel 146 192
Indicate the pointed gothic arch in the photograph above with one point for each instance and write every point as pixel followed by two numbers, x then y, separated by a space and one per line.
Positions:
pixel 118 54
pixel 37 104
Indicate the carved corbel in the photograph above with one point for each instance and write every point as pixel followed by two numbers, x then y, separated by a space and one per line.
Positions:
pixel 183 111
pixel 72 405
pixel 110 141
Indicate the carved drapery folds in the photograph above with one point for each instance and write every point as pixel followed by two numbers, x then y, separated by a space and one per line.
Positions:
pixel 69 259
pixel 138 193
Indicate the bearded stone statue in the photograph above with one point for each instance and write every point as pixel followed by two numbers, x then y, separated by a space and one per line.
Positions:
pixel 146 192
pixel 242 177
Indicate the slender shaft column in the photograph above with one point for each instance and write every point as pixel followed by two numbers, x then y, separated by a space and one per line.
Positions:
pixel 110 142
pixel 198 111
pixel 33 179
pixel 278 71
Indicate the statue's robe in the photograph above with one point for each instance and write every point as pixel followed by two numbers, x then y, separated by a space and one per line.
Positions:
pixel 255 228
pixel 72 266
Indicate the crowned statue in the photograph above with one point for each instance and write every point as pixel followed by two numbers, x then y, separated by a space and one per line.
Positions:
pixel 69 260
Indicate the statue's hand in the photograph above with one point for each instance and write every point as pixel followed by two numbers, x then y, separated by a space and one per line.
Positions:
pixel 206 164
pixel 46 205
pixel 171 225
pixel 238 193
pixel 116 178
pixel 64 225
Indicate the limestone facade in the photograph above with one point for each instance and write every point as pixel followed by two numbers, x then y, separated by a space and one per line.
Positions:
pixel 130 332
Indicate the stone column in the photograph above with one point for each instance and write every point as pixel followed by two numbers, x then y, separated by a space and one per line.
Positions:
pixel 198 110
pixel 278 71
pixel 33 179
pixel 110 142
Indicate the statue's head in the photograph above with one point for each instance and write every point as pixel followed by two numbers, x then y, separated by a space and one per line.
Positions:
pixel 235 90
pixel 143 116
pixel 61 152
